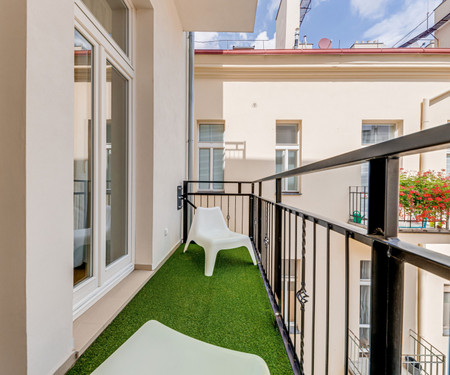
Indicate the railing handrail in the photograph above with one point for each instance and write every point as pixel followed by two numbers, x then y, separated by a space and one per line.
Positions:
pixel 416 337
pixel 423 141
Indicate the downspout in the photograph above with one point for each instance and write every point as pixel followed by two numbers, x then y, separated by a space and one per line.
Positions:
pixel 190 139
pixel 424 124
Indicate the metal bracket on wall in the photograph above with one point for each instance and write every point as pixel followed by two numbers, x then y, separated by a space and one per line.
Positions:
pixel 179 197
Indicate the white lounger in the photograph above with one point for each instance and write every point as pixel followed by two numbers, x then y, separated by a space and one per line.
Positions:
pixel 210 231
pixel 159 350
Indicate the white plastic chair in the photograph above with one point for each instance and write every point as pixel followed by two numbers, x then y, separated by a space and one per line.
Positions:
pixel 210 231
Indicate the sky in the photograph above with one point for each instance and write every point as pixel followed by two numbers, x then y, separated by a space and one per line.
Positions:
pixel 342 21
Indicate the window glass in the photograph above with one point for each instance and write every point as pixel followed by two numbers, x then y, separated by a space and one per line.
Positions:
pixel 448 162
pixel 82 163
pixel 372 134
pixel 286 134
pixel 279 167
pixel 113 16
pixel 211 132
pixel 365 270
pixel 117 165
pixel 204 167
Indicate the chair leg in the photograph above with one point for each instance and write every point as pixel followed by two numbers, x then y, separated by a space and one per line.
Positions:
pixel 248 245
pixel 187 244
pixel 210 261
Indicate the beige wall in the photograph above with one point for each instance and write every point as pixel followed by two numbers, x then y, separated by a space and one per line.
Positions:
pixel 431 294
pixel 288 20
pixel 13 354
pixel 169 126
pixel 443 34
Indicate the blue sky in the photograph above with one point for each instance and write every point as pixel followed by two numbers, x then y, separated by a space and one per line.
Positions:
pixel 342 21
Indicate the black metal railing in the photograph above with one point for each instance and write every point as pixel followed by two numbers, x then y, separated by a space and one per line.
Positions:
pixel 358 206
pixel 298 251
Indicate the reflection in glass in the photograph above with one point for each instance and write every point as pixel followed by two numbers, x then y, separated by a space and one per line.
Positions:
pixel 113 16
pixel 82 200
pixel 204 167
pixel 116 166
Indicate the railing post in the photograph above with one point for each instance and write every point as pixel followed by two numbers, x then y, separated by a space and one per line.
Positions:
pixel 185 212
pixel 386 315
pixel 260 240
pixel 278 239
pixel 251 208
pixel 383 197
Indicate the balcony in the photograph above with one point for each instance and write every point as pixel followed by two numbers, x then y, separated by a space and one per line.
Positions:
pixel 304 284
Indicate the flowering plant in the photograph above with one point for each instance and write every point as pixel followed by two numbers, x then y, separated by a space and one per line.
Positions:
pixel 426 195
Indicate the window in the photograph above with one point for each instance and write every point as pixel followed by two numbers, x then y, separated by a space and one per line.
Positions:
pixel 113 16
pixel 446 320
pixel 103 131
pixel 364 302
pixel 370 135
pixel 287 154
pixel 447 164
pixel 211 153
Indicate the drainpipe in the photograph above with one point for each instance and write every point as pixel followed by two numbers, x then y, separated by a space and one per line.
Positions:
pixel 190 139
pixel 424 124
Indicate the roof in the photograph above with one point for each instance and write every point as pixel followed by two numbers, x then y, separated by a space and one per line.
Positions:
pixel 333 51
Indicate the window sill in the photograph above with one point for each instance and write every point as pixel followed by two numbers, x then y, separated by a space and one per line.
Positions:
pixel 291 193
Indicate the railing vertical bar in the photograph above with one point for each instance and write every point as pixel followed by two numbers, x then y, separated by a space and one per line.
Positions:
pixel 289 277
pixel 228 210
pixel 295 287
pixel 313 333
pixel 347 278
pixel 303 294
pixel 283 264
pixel 235 212
pixel 242 211
pixel 327 349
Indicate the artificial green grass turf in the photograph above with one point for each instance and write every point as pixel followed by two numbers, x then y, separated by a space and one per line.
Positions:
pixel 230 309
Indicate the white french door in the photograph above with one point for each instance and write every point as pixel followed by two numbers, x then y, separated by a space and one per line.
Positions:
pixel 103 140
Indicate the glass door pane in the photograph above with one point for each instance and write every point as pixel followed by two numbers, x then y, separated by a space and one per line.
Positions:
pixel 203 167
pixel 82 163
pixel 116 165
pixel 218 160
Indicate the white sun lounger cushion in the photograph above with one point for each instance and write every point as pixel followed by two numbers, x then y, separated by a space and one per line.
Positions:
pixel 159 350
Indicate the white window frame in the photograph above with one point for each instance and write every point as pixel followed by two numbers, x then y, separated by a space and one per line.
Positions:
pixel 286 148
pixel 211 146
pixel 104 278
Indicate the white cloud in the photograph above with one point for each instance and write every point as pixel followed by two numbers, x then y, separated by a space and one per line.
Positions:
pixel 395 27
pixel 206 40
pixel 369 8
pixel 264 42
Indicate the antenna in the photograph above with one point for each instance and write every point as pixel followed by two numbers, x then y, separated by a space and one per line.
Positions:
pixel 325 43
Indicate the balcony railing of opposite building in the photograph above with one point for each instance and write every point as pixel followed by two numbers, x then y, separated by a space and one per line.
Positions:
pixel 358 206
pixel 296 250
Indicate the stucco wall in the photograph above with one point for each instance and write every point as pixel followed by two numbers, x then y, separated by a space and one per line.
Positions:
pixel 169 126
pixel 13 355
pixel 49 186
pixel 443 34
